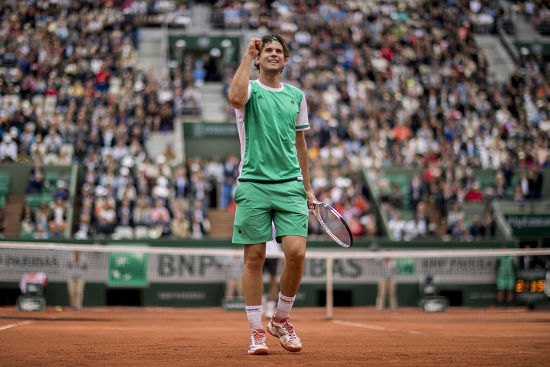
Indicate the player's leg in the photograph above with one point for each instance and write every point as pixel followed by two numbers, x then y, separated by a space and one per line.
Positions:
pixel 280 326
pixel 294 248
pixel 252 227
pixel 291 220
pixel 253 287
pixel 254 256
pixel 270 266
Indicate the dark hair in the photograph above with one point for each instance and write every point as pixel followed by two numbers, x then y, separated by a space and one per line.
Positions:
pixel 274 37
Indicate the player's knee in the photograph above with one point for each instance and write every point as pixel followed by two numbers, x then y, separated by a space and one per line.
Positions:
pixel 296 254
pixel 254 262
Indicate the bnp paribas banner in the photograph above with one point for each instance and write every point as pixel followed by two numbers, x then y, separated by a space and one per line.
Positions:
pixel 195 269
pixel 58 265
pixel 128 269
pixel 135 269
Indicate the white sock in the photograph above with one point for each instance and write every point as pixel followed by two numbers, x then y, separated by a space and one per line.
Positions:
pixel 271 306
pixel 254 314
pixel 284 306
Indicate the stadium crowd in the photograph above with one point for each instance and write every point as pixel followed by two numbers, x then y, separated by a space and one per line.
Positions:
pixel 404 85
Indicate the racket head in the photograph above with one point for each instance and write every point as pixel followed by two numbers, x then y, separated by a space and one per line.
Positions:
pixel 333 223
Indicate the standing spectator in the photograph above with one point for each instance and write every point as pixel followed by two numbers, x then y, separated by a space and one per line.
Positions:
pixel 535 181
pixel 386 285
pixel 76 282
pixel 489 226
pixel 416 191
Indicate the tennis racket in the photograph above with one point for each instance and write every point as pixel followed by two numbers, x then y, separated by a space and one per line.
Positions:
pixel 332 223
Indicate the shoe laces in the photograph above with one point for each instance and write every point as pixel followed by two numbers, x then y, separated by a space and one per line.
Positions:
pixel 289 328
pixel 257 337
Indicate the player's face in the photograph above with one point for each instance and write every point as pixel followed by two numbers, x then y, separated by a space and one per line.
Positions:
pixel 272 57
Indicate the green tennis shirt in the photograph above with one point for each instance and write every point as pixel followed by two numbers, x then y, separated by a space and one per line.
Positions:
pixel 267 126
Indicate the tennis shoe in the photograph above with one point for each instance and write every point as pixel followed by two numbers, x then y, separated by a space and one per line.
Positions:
pixel 257 343
pixel 284 330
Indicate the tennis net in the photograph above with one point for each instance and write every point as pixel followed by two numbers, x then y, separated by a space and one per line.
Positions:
pixel 65 281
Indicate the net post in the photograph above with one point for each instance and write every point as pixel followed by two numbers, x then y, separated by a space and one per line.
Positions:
pixel 329 287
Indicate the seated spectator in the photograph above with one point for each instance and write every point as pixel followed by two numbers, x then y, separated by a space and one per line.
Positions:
pixel 475 229
pixel 41 233
pixel 179 226
pixel 396 197
pixel 200 225
pixel 396 226
pixel 84 230
pixel 459 231
pixel 518 193
pixel 454 216
pixel 43 216
pixel 414 229
pixel 125 216
pixel 160 217
pixel 36 183
pixel 61 191
pixel 8 149
pixel 58 221
pixel 474 194
pixel 106 219
pixel 356 227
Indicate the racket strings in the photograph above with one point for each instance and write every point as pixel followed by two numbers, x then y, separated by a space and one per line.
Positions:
pixel 334 224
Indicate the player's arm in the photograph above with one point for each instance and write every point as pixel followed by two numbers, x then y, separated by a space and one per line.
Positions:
pixel 303 160
pixel 238 90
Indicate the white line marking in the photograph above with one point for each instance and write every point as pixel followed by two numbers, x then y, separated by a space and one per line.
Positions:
pixel 14 325
pixel 371 327
pixel 364 326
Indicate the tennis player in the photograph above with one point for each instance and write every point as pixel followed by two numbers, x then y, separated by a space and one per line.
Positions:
pixel 273 185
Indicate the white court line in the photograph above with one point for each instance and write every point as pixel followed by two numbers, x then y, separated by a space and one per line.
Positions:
pixel 9 326
pixel 371 327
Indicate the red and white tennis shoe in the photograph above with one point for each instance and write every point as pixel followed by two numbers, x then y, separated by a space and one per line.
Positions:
pixel 284 330
pixel 257 343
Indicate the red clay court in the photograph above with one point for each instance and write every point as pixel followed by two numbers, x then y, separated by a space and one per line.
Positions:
pixel 212 337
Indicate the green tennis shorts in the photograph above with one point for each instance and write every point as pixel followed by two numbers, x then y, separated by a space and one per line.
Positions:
pixel 506 282
pixel 258 204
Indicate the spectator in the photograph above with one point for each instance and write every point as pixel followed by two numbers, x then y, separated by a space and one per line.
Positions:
pixel 8 149
pixel 454 216
pixel 36 183
pixel 535 181
pixel 416 190
pixel 474 194
pixel 160 217
pixel 58 221
pixel 396 197
pixel 489 226
pixel 475 228
pixel 179 225
pixel 106 218
pixel 396 226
